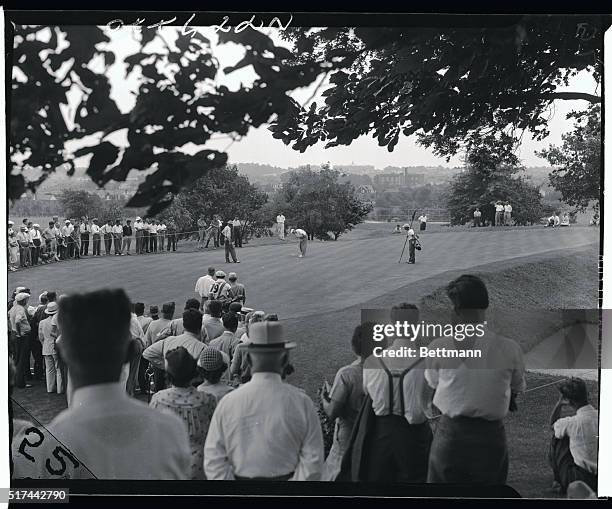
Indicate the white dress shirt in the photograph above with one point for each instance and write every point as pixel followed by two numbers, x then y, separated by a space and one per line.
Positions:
pixel 204 285
pixel 582 430
pixel 280 218
pixel 300 234
pixel 265 428
pixel 227 232
pixel 414 387
pixel 156 353
pixel 95 229
pixel 477 387
pixel 118 229
pixel 118 437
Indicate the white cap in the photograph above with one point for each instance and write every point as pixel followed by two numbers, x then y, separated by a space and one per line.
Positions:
pixel 21 296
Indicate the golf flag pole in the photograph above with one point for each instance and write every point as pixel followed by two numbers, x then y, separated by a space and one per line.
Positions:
pixel 406 240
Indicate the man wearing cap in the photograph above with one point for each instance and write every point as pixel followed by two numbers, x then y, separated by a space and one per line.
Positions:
pixel 84 231
pixel 229 247
pixel 76 239
pixel 23 239
pixel 265 429
pixel 213 366
pixel 13 247
pixel 107 233
pixel 303 238
pixel 138 225
pixel 155 327
pixel 48 236
pixel 204 285
pixel 47 334
pixel 220 290
pixel 237 292
pixel 19 328
pixel 411 243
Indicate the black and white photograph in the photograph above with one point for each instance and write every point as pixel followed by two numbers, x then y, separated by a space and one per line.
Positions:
pixel 360 251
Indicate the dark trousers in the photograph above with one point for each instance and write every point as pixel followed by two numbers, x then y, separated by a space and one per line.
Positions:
pixel 76 249
pixel 564 469
pixel 153 243
pixel 171 241
pixel 25 256
pixel 69 247
pixel 145 242
pixel 143 383
pixel 84 244
pixel 229 250
pixel 468 450
pixel 36 252
pixel 159 376
pixel 237 237
pixel 214 235
pixel 397 451
pixel 108 242
pixel 36 349
pixel 96 244
pixel 22 360
pixel 411 250
pixel 138 241
pixel 117 239
pixel 476 221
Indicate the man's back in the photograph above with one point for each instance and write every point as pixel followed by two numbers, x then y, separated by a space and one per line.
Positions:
pixel 118 437
pixel 213 326
pixel 265 428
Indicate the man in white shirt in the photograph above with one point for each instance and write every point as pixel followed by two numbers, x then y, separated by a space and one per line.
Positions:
pixel 398 447
pixel 117 231
pixel 499 213
pixel 477 216
pixel 422 222
pixel 190 340
pixel 574 445
pixel 227 342
pixel 212 325
pixel 138 226
pixel 204 285
pixel 229 247
pixel 507 213
pixel 220 290
pixel 36 238
pixel 95 237
pixel 107 233
pixel 237 231
pixel 280 225
pixel 266 429
pixel 474 394
pixel 303 238
pixel 104 431
pixel 153 227
pixel 84 231
pixel 25 254
pixel 161 236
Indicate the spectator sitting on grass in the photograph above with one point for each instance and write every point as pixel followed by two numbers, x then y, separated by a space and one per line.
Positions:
pixel 573 448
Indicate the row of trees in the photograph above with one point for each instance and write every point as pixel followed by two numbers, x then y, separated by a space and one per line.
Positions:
pixel 316 201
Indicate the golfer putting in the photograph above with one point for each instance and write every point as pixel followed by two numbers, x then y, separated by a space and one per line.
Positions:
pixel 303 237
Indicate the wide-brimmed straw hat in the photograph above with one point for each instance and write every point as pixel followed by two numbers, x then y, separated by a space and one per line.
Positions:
pixel 268 337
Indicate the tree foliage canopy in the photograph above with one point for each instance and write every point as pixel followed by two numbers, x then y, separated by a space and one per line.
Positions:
pixel 449 86
pixel 578 160
pixel 319 203
pixel 492 175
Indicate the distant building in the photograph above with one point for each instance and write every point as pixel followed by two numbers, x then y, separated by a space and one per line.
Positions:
pixel 365 192
pixel 396 180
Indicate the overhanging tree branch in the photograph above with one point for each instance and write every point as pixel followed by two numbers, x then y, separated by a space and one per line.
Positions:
pixel 572 96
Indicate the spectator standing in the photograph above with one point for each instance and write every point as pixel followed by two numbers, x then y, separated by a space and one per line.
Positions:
pixel 499 213
pixel 117 231
pixel 287 443
pixel 25 255
pixel 96 231
pixel 212 325
pixel 574 445
pixel 13 247
pixel 153 236
pixel 36 237
pixel 20 330
pixel 229 247
pixel 76 240
pixel 507 213
pixel 84 231
pixel 171 235
pixel 422 222
pixel 138 233
pixel 237 231
pixel 201 232
pixel 204 286
pixel 47 334
pixel 144 321
pixel 195 408
pixel 237 291
pixel 109 432
pixel 212 366
pixel 220 290
pixel 146 235
pixel 107 232
pixel 128 234
pixel 280 226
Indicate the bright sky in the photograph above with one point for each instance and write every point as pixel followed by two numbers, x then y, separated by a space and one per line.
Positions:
pixel 259 146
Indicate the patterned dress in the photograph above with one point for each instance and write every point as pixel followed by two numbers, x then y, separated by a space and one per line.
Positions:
pixel 195 409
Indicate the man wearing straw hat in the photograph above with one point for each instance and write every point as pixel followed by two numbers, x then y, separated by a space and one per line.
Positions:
pixel 47 334
pixel 266 429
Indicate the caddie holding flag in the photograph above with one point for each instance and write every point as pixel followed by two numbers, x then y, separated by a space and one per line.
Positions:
pixel 303 237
